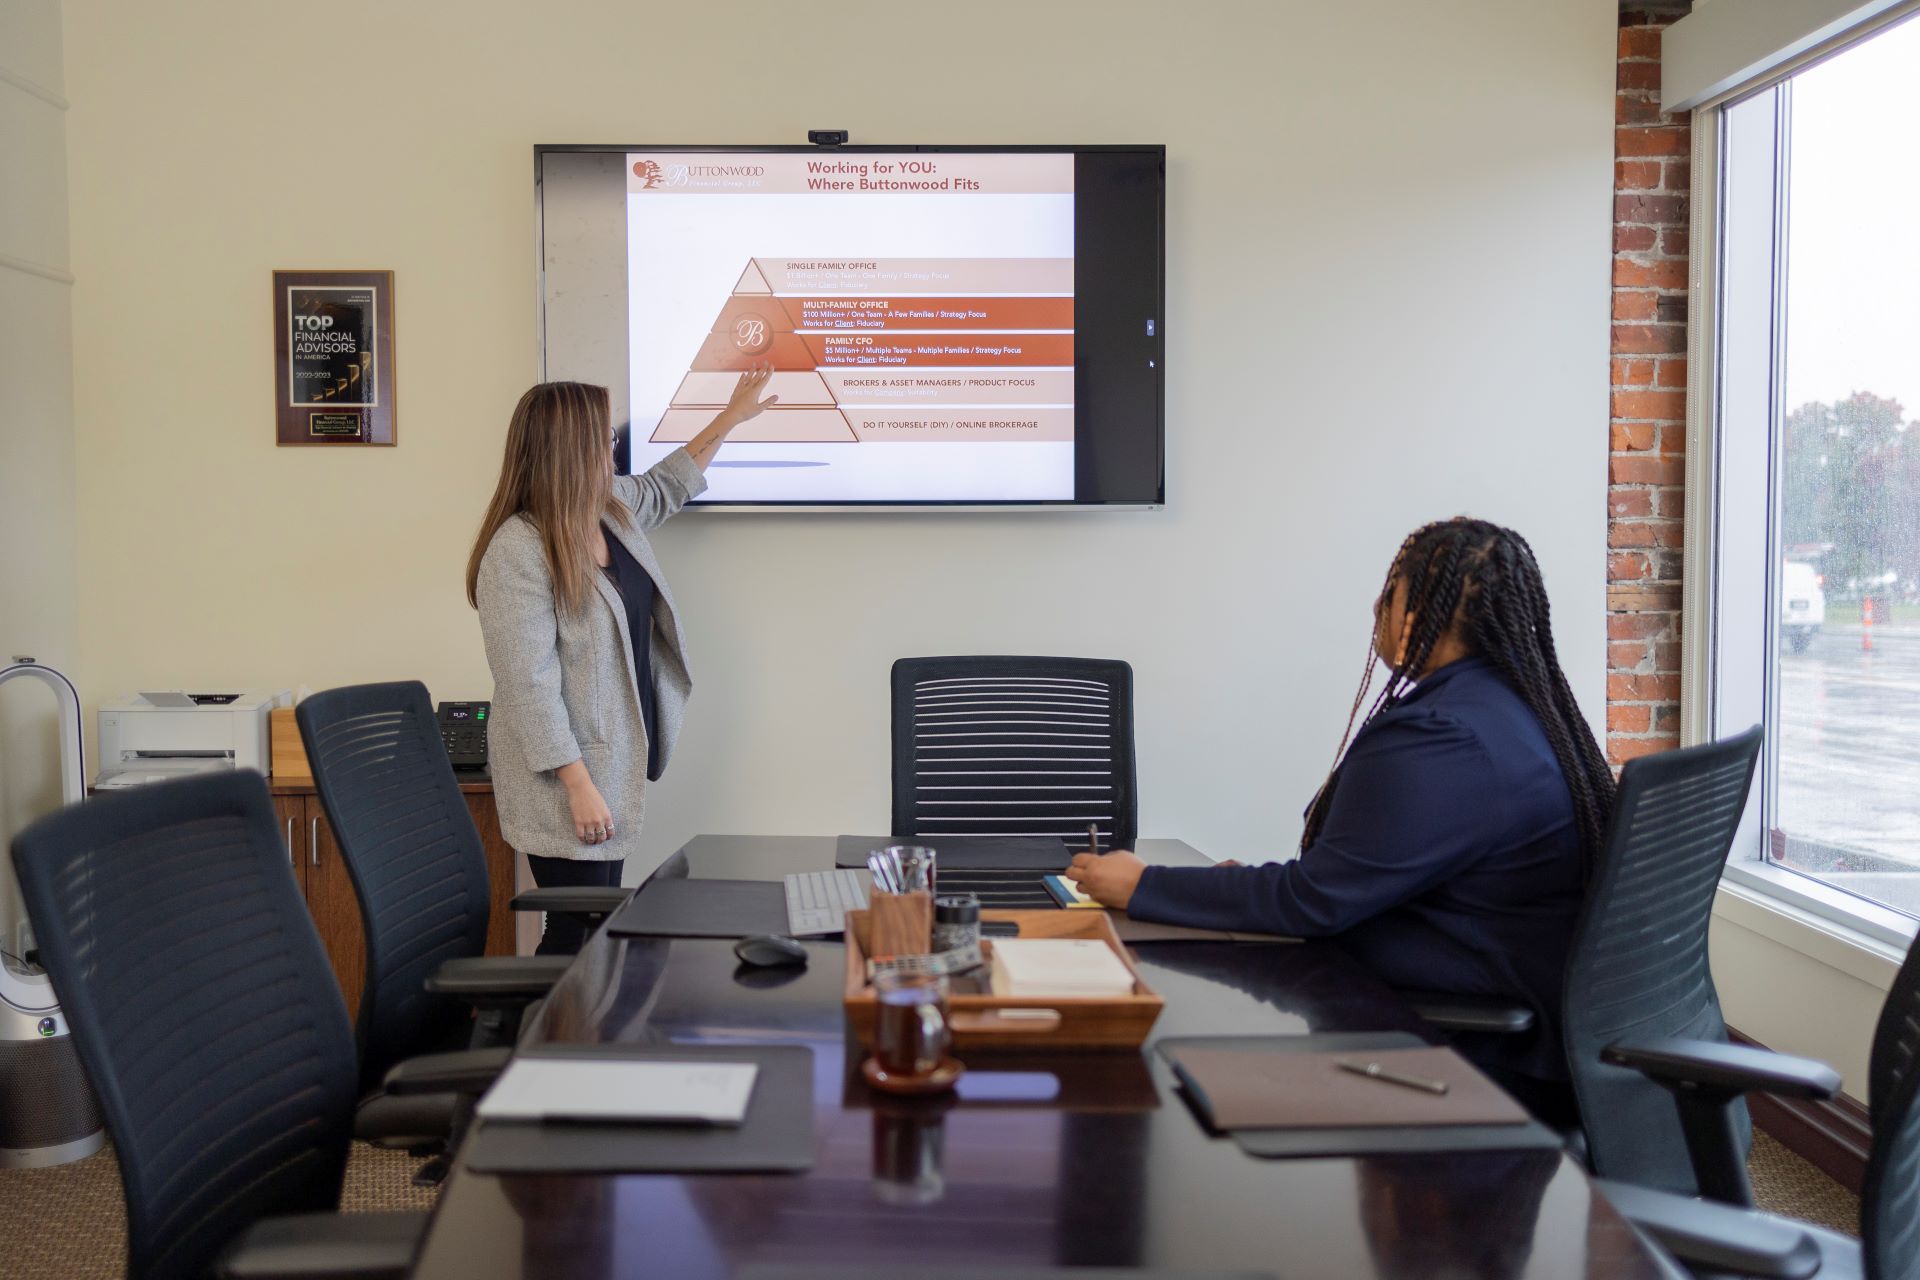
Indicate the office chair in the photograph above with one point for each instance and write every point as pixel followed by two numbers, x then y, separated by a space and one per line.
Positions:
pixel 207 1017
pixel 1638 967
pixel 1704 1078
pixel 1638 963
pixel 420 875
pixel 994 746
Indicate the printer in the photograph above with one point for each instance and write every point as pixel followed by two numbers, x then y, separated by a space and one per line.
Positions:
pixel 150 737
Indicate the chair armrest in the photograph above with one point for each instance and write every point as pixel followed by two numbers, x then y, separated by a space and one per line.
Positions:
pixel 1727 1069
pixel 1717 1238
pixel 1469 1013
pixel 493 981
pixel 464 1071
pixel 326 1246
pixel 589 902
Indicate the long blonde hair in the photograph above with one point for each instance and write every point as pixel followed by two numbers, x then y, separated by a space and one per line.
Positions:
pixel 557 473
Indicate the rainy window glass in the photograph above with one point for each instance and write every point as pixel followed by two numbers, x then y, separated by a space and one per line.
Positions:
pixel 1845 708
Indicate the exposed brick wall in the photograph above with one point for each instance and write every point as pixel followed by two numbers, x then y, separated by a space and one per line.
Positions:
pixel 1648 407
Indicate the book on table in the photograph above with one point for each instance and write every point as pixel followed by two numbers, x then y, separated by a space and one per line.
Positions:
pixel 1063 967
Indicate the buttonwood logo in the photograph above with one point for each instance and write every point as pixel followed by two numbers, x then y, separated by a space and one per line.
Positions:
pixel 750 334
pixel 653 174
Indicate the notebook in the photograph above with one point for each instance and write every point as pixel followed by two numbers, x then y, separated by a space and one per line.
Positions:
pixel 1069 894
pixel 1258 1089
pixel 612 1091
pixel 1067 967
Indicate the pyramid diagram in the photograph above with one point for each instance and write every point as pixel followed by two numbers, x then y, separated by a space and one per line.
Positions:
pixel 895 350
pixel 754 326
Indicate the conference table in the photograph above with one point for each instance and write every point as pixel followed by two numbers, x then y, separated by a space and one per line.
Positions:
pixel 1068 1160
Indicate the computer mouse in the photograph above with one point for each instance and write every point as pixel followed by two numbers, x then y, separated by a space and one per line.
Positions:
pixel 767 950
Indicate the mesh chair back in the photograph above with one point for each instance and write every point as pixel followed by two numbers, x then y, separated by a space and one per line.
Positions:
pixel 1639 961
pixel 1889 1222
pixel 413 854
pixel 986 746
pixel 202 1005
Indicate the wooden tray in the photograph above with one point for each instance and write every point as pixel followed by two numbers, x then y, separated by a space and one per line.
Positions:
pixel 1105 1022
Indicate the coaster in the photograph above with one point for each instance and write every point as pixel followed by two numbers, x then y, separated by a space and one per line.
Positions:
pixel 939 1080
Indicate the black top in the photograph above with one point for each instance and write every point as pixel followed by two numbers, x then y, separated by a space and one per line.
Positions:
pixel 637 590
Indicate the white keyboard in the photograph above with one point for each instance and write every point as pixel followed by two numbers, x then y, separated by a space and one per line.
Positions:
pixel 818 901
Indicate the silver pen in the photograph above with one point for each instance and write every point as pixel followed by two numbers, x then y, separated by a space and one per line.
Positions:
pixel 1374 1071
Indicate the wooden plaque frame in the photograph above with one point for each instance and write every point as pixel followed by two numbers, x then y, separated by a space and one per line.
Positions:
pixel 333 357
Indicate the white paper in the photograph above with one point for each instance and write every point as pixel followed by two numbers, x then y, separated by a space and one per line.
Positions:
pixel 616 1090
pixel 1066 967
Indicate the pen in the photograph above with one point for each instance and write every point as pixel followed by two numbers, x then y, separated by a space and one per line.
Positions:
pixel 1374 1071
pixel 1093 837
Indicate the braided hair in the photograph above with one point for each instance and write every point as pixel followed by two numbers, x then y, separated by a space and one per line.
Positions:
pixel 1484 577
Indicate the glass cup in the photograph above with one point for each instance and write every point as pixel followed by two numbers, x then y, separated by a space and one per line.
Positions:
pixel 910 1032
pixel 916 863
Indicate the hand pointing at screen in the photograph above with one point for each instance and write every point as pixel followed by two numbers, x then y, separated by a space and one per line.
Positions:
pixel 745 403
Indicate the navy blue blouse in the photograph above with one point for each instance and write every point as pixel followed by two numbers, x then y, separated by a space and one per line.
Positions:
pixel 1449 860
pixel 636 592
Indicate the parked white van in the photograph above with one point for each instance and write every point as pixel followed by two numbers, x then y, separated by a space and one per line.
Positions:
pixel 1803 605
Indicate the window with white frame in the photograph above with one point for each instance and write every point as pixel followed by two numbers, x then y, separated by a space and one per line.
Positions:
pixel 1814 410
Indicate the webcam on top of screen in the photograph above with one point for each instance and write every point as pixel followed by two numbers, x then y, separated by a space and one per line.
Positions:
pixel 827 137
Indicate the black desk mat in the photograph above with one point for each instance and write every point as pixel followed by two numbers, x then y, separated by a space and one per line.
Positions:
pixel 999 890
pixel 967 1271
pixel 776 1137
pixel 682 908
pixel 965 853
pixel 1364 1140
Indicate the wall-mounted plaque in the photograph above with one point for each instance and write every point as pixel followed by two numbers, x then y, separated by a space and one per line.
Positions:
pixel 333 357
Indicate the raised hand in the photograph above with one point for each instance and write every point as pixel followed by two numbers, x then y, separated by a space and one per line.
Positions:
pixel 745 402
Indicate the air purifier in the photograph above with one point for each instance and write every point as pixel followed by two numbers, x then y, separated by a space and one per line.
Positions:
pixel 48 1114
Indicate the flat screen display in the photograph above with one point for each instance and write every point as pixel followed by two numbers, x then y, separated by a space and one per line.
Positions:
pixel 945 326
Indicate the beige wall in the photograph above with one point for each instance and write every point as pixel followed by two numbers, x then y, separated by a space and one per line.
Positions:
pixel 1799 984
pixel 1388 270
pixel 37 588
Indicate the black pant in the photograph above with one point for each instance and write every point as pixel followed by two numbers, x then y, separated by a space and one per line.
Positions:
pixel 564 935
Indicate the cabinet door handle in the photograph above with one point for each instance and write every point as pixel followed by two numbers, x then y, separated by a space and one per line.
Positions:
pixel 313 842
pixel 290 840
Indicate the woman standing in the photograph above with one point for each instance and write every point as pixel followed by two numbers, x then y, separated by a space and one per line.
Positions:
pixel 589 667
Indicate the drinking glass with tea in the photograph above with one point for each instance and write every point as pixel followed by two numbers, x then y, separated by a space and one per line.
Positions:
pixel 910 1032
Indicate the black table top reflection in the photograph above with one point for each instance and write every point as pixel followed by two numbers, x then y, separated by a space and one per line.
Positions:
pixel 1062 1159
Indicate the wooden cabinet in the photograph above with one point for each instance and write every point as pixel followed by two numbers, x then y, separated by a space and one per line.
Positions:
pixel 292 811
pixel 336 912
pixel 322 875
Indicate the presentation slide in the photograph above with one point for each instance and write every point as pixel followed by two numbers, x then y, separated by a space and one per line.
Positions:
pixel 917 310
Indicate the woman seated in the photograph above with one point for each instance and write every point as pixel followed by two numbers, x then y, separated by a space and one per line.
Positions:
pixel 1450 848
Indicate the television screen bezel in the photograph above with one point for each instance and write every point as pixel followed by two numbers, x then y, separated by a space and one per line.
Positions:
pixel 1156 150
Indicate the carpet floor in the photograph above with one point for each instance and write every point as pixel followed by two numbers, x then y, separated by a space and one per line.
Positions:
pixel 67 1223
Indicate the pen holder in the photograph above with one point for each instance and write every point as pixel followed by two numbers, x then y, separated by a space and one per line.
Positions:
pixel 900 924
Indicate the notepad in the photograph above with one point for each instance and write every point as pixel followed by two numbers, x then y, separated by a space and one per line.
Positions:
pixel 1069 967
pixel 1070 895
pixel 1254 1089
pixel 615 1091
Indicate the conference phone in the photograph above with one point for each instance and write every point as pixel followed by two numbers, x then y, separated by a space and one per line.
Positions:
pixel 463 730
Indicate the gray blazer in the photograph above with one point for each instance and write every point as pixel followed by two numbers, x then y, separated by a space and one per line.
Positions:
pixel 564 687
